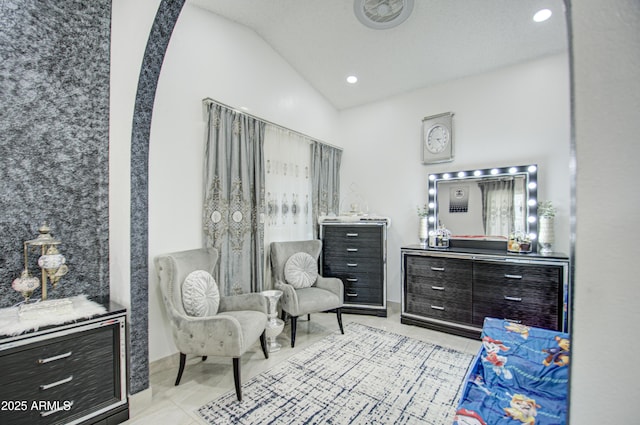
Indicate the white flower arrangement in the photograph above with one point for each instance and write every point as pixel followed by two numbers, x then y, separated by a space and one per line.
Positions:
pixel 546 209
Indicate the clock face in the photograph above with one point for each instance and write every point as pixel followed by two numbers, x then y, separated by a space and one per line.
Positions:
pixel 438 138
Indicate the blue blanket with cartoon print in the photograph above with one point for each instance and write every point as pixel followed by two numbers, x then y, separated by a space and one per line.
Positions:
pixel 520 376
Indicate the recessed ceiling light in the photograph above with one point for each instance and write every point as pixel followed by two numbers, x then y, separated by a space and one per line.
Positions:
pixel 542 15
pixel 352 79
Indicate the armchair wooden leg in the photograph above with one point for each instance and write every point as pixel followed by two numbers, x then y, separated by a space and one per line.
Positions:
pixel 339 314
pixel 263 344
pixel 183 360
pixel 236 377
pixel 308 317
pixel 294 322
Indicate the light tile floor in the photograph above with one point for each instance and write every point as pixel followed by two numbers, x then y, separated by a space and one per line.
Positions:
pixel 205 381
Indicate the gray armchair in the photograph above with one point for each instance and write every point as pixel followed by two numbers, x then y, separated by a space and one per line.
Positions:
pixel 239 322
pixel 325 294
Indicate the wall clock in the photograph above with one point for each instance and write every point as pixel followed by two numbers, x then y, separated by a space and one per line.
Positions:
pixel 437 138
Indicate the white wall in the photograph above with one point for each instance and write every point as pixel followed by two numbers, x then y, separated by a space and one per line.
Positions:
pixel 606 57
pixel 518 115
pixel 211 57
pixel 130 25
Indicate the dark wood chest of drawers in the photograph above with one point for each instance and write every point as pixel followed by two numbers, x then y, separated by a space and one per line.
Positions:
pixel 446 294
pixel 70 374
pixel 356 254
pixel 455 291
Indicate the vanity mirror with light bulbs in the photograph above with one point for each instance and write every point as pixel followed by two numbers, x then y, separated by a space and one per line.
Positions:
pixel 455 288
pixel 483 207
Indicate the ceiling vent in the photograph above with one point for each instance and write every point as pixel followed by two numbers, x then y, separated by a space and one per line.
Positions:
pixel 382 14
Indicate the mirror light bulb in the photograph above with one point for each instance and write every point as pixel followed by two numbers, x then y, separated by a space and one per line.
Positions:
pixel 352 79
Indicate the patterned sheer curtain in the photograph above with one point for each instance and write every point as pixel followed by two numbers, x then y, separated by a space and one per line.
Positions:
pixel 519 205
pixel 233 212
pixel 497 206
pixel 287 189
pixel 325 181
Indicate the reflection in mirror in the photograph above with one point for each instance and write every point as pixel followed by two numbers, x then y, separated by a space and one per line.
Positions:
pixel 485 204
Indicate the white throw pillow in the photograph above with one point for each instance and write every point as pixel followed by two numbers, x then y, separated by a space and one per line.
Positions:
pixel 301 270
pixel 200 295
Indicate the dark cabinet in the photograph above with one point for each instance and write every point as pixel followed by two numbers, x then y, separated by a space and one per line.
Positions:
pixel 439 288
pixel 73 374
pixel 524 293
pixel 356 254
pixel 454 291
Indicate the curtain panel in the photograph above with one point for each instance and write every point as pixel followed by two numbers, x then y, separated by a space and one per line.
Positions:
pixel 325 181
pixel 497 206
pixel 262 183
pixel 287 188
pixel 234 207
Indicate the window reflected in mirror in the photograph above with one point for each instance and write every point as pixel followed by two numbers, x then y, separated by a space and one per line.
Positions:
pixel 487 204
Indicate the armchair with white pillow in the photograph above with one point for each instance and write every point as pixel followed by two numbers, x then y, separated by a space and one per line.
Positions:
pixel 295 272
pixel 203 323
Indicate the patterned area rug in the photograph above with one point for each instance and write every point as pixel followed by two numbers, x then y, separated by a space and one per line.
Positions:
pixel 366 376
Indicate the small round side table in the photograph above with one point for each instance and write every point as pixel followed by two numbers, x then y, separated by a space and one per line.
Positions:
pixel 274 325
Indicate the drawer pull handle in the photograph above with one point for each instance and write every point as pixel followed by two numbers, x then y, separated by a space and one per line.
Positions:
pixel 66 405
pixel 352 264
pixel 437 269
pixel 513 320
pixel 55 384
pixel 350 294
pixel 352 279
pixel 352 249
pixel 54 358
pixel 352 235
pixel 513 276
pixel 438 288
pixel 518 299
pixel 437 307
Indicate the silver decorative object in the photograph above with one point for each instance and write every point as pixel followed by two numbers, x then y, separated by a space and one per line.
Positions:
pixel 274 325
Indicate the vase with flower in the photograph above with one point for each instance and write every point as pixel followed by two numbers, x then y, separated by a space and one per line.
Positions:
pixel 546 234
pixel 423 225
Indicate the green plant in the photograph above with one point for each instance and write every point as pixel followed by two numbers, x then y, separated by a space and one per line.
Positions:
pixel 423 211
pixel 546 209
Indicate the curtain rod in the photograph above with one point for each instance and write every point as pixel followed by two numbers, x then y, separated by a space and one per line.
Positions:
pixel 207 101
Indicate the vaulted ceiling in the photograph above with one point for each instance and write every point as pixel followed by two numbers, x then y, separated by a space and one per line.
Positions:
pixel 441 40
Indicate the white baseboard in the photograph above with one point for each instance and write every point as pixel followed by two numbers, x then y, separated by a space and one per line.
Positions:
pixel 139 402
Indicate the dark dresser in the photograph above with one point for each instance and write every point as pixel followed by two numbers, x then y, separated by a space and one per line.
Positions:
pixel 74 373
pixel 356 253
pixel 453 290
